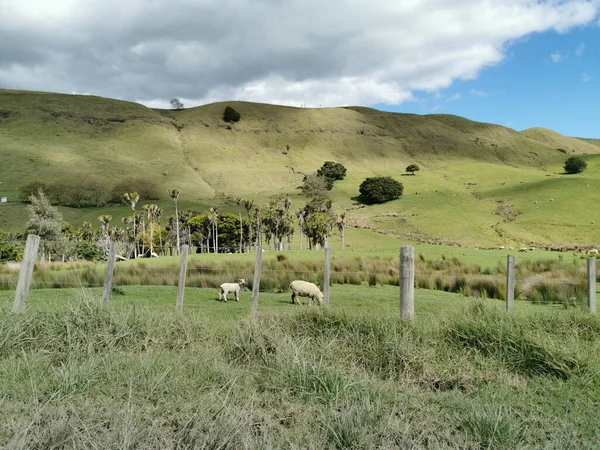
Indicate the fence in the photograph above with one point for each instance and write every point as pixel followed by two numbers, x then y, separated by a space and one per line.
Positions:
pixel 405 279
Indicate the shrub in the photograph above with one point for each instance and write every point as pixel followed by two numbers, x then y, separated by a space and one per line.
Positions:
pixel 230 115
pixel 380 189
pixel 575 164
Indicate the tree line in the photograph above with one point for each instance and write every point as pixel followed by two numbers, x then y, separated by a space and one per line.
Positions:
pixel 148 232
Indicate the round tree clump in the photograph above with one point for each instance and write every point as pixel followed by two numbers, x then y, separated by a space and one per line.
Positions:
pixel 230 115
pixel 575 164
pixel 380 190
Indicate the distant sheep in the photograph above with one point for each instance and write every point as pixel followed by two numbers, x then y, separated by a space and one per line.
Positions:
pixel 522 250
pixel 233 288
pixel 305 289
pixel 592 251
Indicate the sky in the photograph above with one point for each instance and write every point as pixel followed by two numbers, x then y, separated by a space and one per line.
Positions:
pixel 517 63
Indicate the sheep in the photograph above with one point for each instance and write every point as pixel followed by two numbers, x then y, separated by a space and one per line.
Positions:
pixel 234 288
pixel 592 251
pixel 305 289
pixel 523 250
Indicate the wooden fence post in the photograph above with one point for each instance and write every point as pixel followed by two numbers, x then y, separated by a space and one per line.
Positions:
pixel 110 266
pixel 591 275
pixel 510 283
pixel 326 276
pixel 182 277
pixel 256 281
pixel 407 282
pixel 26 273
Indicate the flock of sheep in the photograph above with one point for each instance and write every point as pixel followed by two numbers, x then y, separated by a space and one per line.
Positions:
pixel 299 288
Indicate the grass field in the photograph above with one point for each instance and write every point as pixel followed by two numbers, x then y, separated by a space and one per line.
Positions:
pixel 137 375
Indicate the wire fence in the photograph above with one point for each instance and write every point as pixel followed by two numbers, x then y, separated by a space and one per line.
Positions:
pixel 538 280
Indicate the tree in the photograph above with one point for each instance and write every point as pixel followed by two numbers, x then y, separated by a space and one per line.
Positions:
pixel 332 171
pixel 132 198
pixel 46 222
pixel 575 164
pixel 412 168
pixel 174 193
pixel 317 228
pixel 230 115
pixel 380 189
pixel 315 190
pixel 176 104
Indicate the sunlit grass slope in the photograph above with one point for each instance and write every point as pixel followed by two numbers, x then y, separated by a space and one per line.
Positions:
pixel 468 169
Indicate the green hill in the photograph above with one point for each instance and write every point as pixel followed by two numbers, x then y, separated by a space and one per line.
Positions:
pixel 467 167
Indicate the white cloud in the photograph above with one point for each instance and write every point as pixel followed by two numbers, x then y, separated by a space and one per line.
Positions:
pixel 453 97
pixel 585 77
pixel 556 57
pixel 290 52
pixel 478 93
pixel 580 48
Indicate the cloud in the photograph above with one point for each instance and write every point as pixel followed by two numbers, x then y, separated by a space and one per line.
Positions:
pixel 556 57
pixel 585 77
pixel 478 93
pixel 579 50
pixel 293 52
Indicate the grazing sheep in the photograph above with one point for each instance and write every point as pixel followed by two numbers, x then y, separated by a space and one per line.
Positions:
pixel 523 250
pixel 592 251
pixel 234 288
pixel 305 289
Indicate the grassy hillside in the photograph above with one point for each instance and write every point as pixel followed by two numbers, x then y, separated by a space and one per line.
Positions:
pixel 466 167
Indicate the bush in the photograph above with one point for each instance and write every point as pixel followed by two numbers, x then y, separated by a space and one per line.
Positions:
pixel 230 115
pixel 575 164
pixel 380 190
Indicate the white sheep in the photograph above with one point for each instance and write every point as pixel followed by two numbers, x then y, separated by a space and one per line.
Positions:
pixel 592 251
pixel 233 288
pixel 305 289
pixel 523 250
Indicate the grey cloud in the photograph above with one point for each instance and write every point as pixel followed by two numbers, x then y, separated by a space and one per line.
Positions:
pixel 270 50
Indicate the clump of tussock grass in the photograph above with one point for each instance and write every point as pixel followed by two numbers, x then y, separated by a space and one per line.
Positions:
pixel 512 342
pixel 89 328
pixel 496 428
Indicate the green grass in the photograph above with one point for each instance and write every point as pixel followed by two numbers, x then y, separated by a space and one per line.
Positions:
pixel 462 375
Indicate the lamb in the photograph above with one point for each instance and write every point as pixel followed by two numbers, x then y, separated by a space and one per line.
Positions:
pixel 592 251
pixel 305 289
pixel 523 250
pixel 233 288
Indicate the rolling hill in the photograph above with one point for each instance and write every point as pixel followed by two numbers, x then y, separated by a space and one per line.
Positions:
pixel 478 182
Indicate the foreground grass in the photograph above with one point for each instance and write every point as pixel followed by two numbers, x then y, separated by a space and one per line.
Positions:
pixel 463 375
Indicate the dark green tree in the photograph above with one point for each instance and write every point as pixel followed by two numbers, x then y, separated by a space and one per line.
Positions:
pixel 230 115
pixel 575 164
pixel 332 171
pixel 380 190
pixel 412 168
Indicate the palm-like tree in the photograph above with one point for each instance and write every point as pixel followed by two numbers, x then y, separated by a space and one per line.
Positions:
pixel 214 217
pixel 104 224
pixel 174 193
pixel 132 198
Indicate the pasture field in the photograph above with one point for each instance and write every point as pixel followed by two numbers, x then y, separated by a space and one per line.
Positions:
pixel 463 375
